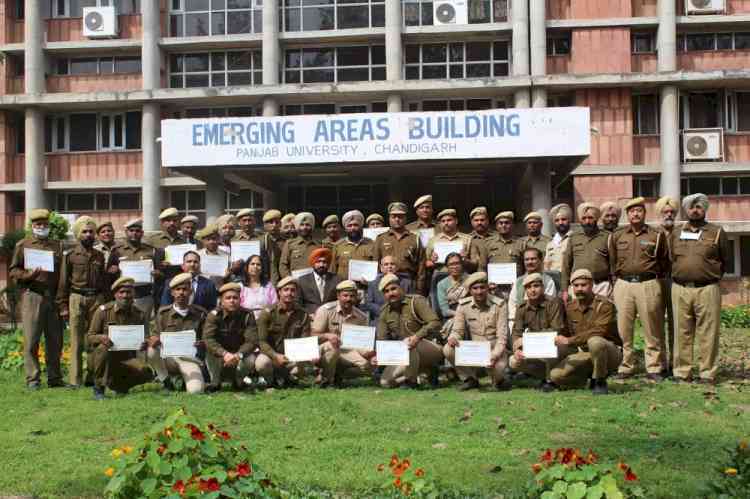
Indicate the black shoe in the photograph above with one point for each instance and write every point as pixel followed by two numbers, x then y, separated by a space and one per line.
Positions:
pixel 622 376
pixel 57 384
pixel 469 384
pixel 655 377
pixel 212 388
pixel 503 386
pixel 73 387
pixel 167 385
pixel 548 387
pixel 376 374
pixel 600 387
pixel 520 376
pixel 681 380
pixel 592 383
pixel 99 393
pixel 410 385
pixel 33 386
pixel 434 377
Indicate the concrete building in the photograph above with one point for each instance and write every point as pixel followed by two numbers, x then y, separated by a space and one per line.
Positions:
pixel 80 118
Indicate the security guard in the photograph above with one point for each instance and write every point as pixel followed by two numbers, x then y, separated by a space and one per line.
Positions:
pixel 354 247
pixel 231 337
pixel 450 234
pixel 404 246
pixel 81 291
pixel 480 317
pixel 38 308
pixel 610 216
pixel 132 248
pixel 117 370
pixel 590 329
pixel 274 241
pixel 534 237
pixel 700 252
pixel 167 236
pixel 332 228
pixel 375 221
pixel 638 256
pixel 296 251
pixel 246 219
pixel 588 249
pixel 423 207
pixel 327 326
pixel 410 319
pixel 668 209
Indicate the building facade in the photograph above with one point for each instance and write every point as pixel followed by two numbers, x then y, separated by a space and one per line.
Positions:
pixel 80 117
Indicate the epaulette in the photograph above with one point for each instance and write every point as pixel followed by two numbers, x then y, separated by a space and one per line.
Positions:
pixel 67 252
pixel 464 301
pixel 214 312
pixel 330 305
pixel 163 309
pixel 107 306
pixel 357 311
pixel 199 308
pixel 496 299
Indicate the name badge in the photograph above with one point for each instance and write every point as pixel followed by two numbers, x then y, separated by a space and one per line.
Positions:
pixel 690 236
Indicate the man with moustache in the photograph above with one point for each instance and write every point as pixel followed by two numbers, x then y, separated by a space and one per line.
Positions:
pixel 274 241
pixel 610 216
pixel 404 246
pixel 534 237
pixel 319 286
pixel 588 249
pixel 188 228
pixel 561 216
pixel 296 252
pixel 480 223
pixel 353 247
pixel 288 230
pixel 133 249
pixel 667 208
pixel 225 226
pixel 105 242
pixel 332 228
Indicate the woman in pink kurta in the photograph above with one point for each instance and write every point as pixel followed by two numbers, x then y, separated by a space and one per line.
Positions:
pixel 256 294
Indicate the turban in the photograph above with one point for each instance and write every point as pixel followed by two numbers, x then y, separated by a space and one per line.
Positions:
pixel 81 223
pixel 610 206
pixel 318 254
pixel 289 217
pixel 584 207
pixel 305 216
pixel 224 220
pixel 665 201
pixel 560 209
pixel 693 199
pixel 354 215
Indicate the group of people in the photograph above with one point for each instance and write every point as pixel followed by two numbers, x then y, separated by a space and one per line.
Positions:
pixel 587 286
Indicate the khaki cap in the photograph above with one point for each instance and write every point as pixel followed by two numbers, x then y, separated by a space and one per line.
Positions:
pixel 330 219
pixel 479 210
pixel 270 215
pixel 427 198
pixel 533 214
pixel 207 231
pixel 230 286
pixel 639 201
pixel 475 278
pixel 665 201
pixel 135 222
pixel 39 214
pixel 169 213
pixel 346 286
pixel 286 282
pixel 581 274
pixel 375 216
pixel 123 282
pixel 535 277
pixel 189 219
pixel 386 280
pixel 397 208
pixel 106 223
pixel 505 214
pixel 448 212
pixel 180 279
pixel 584 207
pixel 244 212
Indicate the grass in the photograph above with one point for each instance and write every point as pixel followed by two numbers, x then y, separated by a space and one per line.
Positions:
pixel 56 443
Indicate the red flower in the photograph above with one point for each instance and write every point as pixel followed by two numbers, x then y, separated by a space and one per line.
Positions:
pixel 405 464
pixel 547 456
pixel 162 448
pixel 591 457
pixel 397 482
pixel 223 435
pixel 179 487
pixel 622 466
pixel 244 469
pixel 394 461
pixel 569 455
pixel 419 472
pixel 210 485
pixel 630 476
pixel 195 433
pixel 536 468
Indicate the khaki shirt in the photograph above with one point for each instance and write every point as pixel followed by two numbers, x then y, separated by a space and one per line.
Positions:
pixel 405 249
pixel 546 316
pixel 699 261
pixel 412 316
pixel 128 251
pixel 111 314
pixel 162 239
pixel 107 250
pixel 470 251
pixel 295 255
pixel 485 322
pixel 596 319
pixel 235 333
pixel 347 250
pixel 501 250
pixel 586 252
pixel 274 245
pixel 45 282
pixel 167 320
pixel 329 318
pixel 329 243
pixel 539 242
pixel 632 253
pixel 82 269
pixel 553 255
pixel 418 224
pixel 275 325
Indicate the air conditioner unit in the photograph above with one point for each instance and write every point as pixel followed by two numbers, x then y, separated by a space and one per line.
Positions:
pixel 100 22
pixel 704 6
pixel 450 12
pixel 703 144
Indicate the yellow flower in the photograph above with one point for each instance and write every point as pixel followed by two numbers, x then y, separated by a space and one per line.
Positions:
pixel 127 449
pixel 109 471
pixel 116 453
pixel 743 444
pixel 730 471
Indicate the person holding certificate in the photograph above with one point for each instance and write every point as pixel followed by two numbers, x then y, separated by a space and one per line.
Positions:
pixel 231 337
pixel 180 316
pixel 204 291
pixel 225 225
pixel 411 320
pixel 296 252
pixel 246 219
pixel 327 326
pixel 452 239
pixel 35 268
pixel 353 247
pixel 480 317
pixel 209 238
pixel 257 291
pixel 503 247
pixel 532 263
pixel 118 370
pixel 480 222
pixel 133 249
pixel 404 246
pixel 169 235
pixel 105 242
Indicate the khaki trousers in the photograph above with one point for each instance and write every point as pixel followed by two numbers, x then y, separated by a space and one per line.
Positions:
pixel 601 360
pixel 265 368
pixel 219 372
pixel 496 373
pixel 40 317
pixel 189 369
pixel 426 355
pixel 345 363
pixel 645 300
pixel 540 368
pixel 697 314
pixel 119 371
pixel 81 309
pixel 669 342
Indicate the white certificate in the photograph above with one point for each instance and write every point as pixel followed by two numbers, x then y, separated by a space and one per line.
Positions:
pixel 301 272
pixel 392 353
pixel 126 337
pixel 425 235
pixel 372 233
pixel 473 353
pixel 214 264
pixel 355 337
pixel 38 259
pixel 242 250
pixel 178 344
pixel 502 273
pixel 687 235
pixel 138 270
pixel 302 349
pixel 359 269
pixel 444 248
pixel 176 252
pixel 539 345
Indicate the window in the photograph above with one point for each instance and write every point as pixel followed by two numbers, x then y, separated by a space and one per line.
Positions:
pixel 246 198
pixel 713 41
pixel 352 108
pixel 322 200
pixel 216 69
pixel 215 17
pixel 18 202
pixel 738 111
pixel 646 187
pixel 335 64
pixel 18 9
pixel 645 115
pixel 644 43
pixel 218 112
pixel 703 110
pixel 315 15
pixel 716 186
pixel 420 12
pixel 77 202
pixel 561 100
pixel 93 132
pixel 457 60
pixel 94 65
pixel 19 132
pixel 456 105
pixel 558 45
pixel 74 8
pixel 190 203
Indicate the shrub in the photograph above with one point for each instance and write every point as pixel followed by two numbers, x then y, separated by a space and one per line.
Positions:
pixel 11 351
pixel 732 479
pixel 735 317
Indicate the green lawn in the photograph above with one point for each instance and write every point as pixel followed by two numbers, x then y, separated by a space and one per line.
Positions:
pixel 56 443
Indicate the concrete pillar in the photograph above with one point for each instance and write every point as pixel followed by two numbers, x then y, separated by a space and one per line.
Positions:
pixel 215 197
pixel 150 51
pixel 34 30
pixel 395 104
pixel 669 139
pixel 667 36
pixel 270 106
pixel 538 47
pixel 522 98
pixel 519 17
pixel 393 46
pixel 34 158
pixel 539 97
pixel 151 195
pixel 271 48
pixel 541 193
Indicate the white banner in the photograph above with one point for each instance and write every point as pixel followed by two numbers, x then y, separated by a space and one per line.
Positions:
pixel 496 133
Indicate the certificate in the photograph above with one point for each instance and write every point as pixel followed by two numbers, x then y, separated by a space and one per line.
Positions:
pixel 425 235
pixel 372 233
pixel 38 259
pixel 539 345
pixel 242 250
pixel 138 270
pixel 214 264
pixel 444 248
pixel 363 269
pixel 301 272
pixel 686 235
pixel 473 353
pixel 355 337
pixel 392 353
pixel 502 273
pixel 302 349
pixel 126 337
pixel 178 344
pixel 176 252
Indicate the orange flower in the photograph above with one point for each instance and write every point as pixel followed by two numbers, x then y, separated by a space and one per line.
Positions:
pixel 127 449
pixel 730 472
pixel 109 471
pixel 536 468
pixel 419 472
pixel 406 463
pixel 547 456
pixel 223 435
pixel 231 474
pixel 162 448
pixel 244 469
pixel 591 457
pixel 394 461
pixel 630 476
pixel 743 444
pixel 398 470
pixel 622 466
pixel 397 483
pixel 179 487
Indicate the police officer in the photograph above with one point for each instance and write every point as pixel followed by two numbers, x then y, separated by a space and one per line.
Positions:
pixel 503 247
pixel 700 252
pixel 638 256
pixel 246 219
pixel 169 235
pixel 81 291
pixel 105 242
pixel 610 216
pixel 274 241
pixel 667 209
pixel 296 251
pixel 423 207
pixel 588 249
pixel 188 229
pixel 449 222
pixel 480 317
pixel 480 223
pixel 404 246
pixel 332 228
pixel 225 225
pixel 134 249
pixel 38 308
pixel 288 230
pixel 354 247
pixel 534 237
pixel 375 221
pixel 561 216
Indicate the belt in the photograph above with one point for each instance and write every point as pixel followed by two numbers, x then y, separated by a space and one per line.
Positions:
pixel 38 288
pixel 648 276
pixel 85 291
pixel 694 284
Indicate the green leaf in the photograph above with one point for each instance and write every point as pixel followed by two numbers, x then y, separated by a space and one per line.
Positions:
pixel 165 468
pixel 183 473
pixel 595 492
pixel 550 495
pixel 148 485
pixel 576 491
pixel 560 487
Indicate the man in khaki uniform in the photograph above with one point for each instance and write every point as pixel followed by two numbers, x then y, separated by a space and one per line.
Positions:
pixel 105 235
pixel 332 228
pixel 296 252
pixel 590 329
pixel 117 370
pixel 667 209
pixel 284 320
pixel 178 317
pixel 133 249
pixel 638 256
pixel 423 207
pixel 38 309
pixel 534 237
pixel 225 224
pixel 469 253
pixel 479 317
pixel 353 247
pixel 699 253
pixel 246 219
pixel 209 238
pixel 480 223
pixel 167 236
pixel 610 216
pixel 375 221
pixel 188 229
pixel 327 326
pixel 288 230
pixel 410 319
pixel 561 216
pixel 588 249
pixel 274 241
pixel 81 291
pixel 538 312
pixel 532 264
pixel 231 337
pixel 404 246
pixel 503 247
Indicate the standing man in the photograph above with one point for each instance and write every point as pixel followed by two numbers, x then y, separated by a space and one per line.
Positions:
pixel 188 229
pixel 404 246
pixel 534 237
pixel 209 238
pixel 332 228
pixel 134 249
pixel 700 252
pixel 638 256
pixel 203 291
pixel 561 216
pixel 503 247
pixel 667 209
pixel 167 236
pixel 423 207
pixel 105 234
pixel 589 250
pixel 480 223
pixel 38 309
pixel 469 253
pixel 319 286
pixel 610 216
pixel 274 241
pixel 246 219
pixel 375 221
pixel 81 291
pixel 225 225
pixel 480 317
pixel 288 230
pixel 353 247
pixel 296 252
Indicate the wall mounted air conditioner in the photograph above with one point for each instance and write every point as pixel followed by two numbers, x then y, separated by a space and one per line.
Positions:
pixel 704 6
pixel 703 144
pixel 450 12
pixel 100 22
